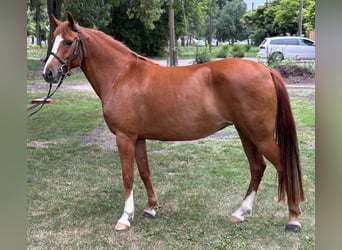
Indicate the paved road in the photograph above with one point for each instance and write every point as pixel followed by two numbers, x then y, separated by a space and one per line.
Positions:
pixel 185 62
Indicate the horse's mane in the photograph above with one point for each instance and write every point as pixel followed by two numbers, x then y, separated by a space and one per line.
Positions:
pixel 119 45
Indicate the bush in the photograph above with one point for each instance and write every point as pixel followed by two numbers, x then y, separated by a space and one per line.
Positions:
pixel 223 52
pixel 237 50
pixel 201 57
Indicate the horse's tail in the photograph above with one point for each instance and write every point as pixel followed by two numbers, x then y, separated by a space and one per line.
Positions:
pixel 290 179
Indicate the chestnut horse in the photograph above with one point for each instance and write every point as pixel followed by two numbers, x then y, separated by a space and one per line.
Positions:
pixel 143 100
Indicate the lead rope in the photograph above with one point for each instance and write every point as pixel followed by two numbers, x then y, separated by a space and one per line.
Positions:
pixel 49 95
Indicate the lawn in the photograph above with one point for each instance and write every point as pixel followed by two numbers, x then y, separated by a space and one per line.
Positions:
pixel 75 192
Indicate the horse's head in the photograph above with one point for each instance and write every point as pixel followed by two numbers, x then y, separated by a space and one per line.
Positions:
pixel 66 52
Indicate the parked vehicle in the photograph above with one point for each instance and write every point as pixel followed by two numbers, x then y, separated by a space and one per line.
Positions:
pixel 287 47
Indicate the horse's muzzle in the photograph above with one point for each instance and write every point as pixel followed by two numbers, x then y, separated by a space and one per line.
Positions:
pixel 52 76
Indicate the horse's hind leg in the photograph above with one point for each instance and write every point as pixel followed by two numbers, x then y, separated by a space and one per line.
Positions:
pixel 267 147
pixel 257 167
pixel 144 171
pixel 272 152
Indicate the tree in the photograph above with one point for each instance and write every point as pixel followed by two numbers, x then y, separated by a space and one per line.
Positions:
pixel 133 32
pixel 221 3
pixel 90 13
pixel 286 19
pixel 228 25
pixel 212 11
pixel 37 10
pixel 147 11
pixel 309 15
pixel 53 8
pixel 278 17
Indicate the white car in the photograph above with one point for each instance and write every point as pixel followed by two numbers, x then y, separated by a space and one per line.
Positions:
pixel 287 47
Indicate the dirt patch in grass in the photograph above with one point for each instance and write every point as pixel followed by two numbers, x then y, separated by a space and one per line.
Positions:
pixel 295 74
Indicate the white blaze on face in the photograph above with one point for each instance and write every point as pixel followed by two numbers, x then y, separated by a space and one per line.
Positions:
pixel 55 47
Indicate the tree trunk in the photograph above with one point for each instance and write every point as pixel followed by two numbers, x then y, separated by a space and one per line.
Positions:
pixel 53 8
pixel 38 29
pixel 210 33
pixel 300 18
pixel 172 42
pixel 38 35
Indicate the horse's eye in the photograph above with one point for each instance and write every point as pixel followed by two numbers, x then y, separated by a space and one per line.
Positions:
pixel 68 42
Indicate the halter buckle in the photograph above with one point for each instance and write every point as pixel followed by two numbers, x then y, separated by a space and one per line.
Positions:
pixel 65 68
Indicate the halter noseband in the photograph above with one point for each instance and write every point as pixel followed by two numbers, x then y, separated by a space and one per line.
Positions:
pixel 65 65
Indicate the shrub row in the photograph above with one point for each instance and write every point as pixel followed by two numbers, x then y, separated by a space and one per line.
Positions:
pixel 236 50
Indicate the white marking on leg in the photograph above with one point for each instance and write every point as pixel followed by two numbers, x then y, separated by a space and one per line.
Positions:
pixel 55 46
pixel 128 211
pixel 246 207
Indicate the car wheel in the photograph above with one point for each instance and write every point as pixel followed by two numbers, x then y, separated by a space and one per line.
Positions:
pixel 276 57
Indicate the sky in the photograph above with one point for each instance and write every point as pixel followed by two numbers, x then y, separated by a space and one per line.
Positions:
pixel 256 3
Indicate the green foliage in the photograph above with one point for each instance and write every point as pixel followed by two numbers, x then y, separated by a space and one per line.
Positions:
pixel 228 24
pixel 309 15
pixel 191 17
pixel 133 33
pixel 223 52
pixel 278 17
pixel 147 11
pixel 202 56
pixel 238 50
pixel 93 14
pixel 36 16
pixel 308 66
pixel 286 18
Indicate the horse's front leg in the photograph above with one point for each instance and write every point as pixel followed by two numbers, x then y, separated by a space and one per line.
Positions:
pixel 126 147
pixel 144 171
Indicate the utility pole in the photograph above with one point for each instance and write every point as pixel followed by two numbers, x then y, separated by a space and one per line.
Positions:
pixel 172 42
pixel 300 18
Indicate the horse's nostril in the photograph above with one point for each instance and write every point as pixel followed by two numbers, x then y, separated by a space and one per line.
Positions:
pixel 48 75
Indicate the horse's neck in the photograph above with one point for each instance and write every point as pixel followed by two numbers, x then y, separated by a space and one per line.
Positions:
pixel 104 61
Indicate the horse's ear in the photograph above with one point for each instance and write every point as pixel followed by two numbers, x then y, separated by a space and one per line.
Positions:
pixel 55 20
pixel 71 20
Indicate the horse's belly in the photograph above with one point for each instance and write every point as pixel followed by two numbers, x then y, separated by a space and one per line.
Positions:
pixel 186 129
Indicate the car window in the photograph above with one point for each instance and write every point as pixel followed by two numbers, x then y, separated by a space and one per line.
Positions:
pixel 305 42
pixel 277 41
pixel 263 42
pixel 291 41
pixel 285 41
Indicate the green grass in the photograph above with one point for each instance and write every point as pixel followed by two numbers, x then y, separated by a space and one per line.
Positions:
pixel 75 192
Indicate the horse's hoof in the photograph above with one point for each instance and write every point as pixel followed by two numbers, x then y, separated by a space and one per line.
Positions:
pixel 147 215
pixel 292 228
pixel 235 219
pixel 121 227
